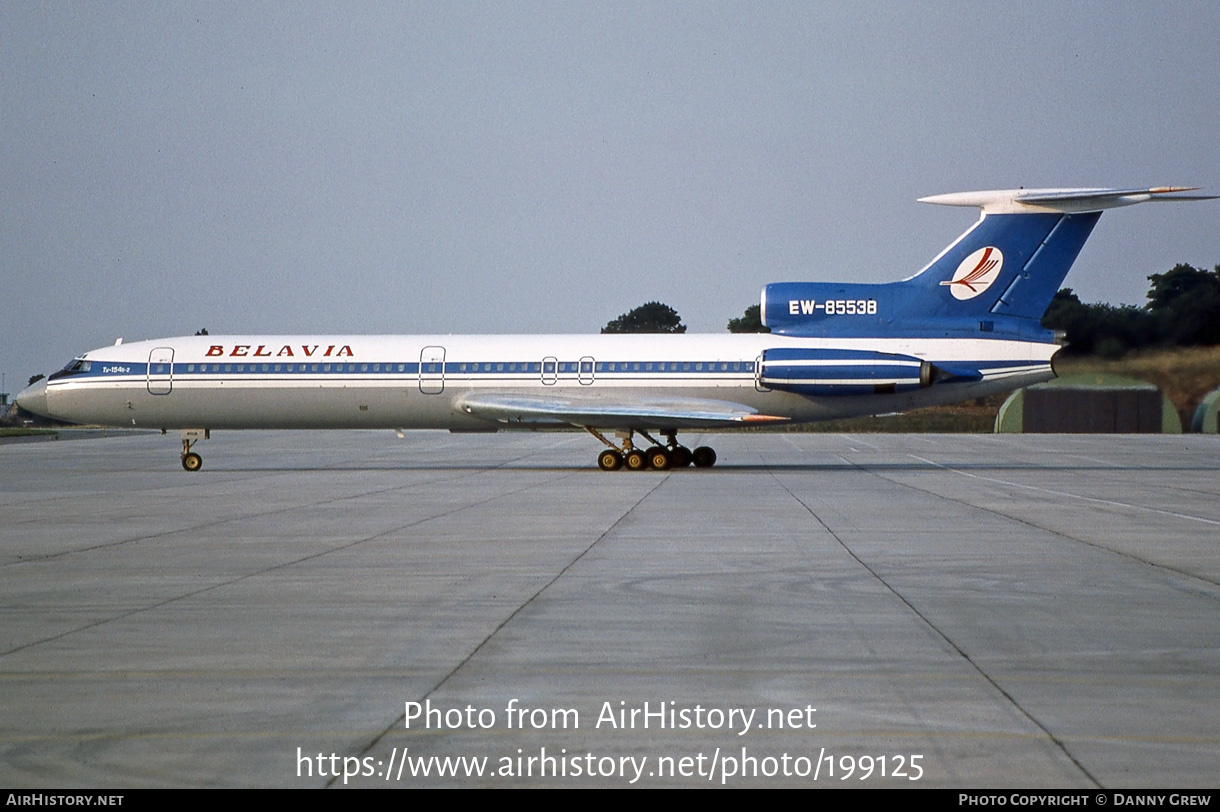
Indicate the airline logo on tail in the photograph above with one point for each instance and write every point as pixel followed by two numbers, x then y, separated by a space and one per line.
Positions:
pixel 976 273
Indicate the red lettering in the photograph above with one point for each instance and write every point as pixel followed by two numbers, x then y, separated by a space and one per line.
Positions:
pixel 309 351
pixel 328 351
pixel 284 351
pixel 216 350
pixel 242 347
pixel 259 352
pixel 344 350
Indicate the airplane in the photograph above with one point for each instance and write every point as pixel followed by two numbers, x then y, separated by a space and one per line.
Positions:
pixel 965 326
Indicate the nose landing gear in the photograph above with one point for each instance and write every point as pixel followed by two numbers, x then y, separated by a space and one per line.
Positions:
pixel 190 460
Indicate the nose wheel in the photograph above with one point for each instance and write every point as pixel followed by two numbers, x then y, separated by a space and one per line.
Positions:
pixel 190 460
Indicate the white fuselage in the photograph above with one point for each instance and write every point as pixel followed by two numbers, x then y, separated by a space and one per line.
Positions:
pixel 359 381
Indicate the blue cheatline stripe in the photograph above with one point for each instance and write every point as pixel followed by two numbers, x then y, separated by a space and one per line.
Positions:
pixel 103 369
pixel 508 371
pixel 617 370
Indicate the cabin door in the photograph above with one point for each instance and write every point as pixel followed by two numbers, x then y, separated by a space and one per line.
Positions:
pixel 161 371
pixel 432 370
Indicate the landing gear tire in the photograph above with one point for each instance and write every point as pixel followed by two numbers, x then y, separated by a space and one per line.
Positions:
pixel 635 461
pixel 680 457
pixel 659 459
pixel 192 461
pixel 609 460
pixel 703 457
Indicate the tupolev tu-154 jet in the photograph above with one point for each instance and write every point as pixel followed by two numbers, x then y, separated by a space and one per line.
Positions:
pixel 967 325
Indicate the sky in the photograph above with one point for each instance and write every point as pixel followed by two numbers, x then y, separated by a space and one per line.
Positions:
pixel 478 167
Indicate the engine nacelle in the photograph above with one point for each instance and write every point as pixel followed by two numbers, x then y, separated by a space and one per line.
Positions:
pixel 843 372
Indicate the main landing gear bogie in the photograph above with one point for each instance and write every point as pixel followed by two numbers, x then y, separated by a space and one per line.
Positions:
pixel 656 457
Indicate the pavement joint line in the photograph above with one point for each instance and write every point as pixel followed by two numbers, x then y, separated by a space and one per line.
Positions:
pixel 229 476
pixel 1116 468
pixel 939 633
pixel 402 716
pixel 281 565
pixel 1060 533
pixel 260 514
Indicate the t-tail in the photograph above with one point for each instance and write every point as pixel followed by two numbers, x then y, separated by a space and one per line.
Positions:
pixel 998 278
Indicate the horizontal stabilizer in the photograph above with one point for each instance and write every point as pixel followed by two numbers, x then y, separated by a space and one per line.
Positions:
pixel 1064 201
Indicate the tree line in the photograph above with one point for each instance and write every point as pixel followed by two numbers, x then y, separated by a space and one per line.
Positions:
pixel 1183 310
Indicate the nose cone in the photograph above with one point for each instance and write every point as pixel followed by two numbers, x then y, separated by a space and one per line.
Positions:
pixel 34 398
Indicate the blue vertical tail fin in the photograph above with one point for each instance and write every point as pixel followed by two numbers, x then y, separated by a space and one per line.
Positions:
pixel 999 276
pixel 1006 265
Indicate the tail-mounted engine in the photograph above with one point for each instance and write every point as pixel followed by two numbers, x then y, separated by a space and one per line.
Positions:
pixel 849 372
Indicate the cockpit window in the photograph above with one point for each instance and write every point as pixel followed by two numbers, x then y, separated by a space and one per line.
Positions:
pixel 77 366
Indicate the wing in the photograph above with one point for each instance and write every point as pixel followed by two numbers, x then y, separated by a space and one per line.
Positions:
pixel 645 413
